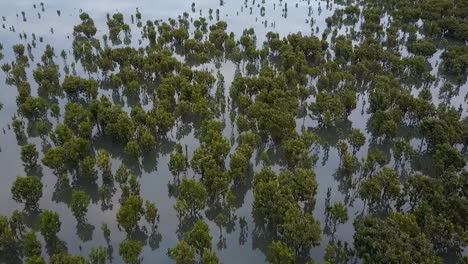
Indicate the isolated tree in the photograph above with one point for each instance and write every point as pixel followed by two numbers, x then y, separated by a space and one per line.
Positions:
pixel 75 86
pixel 29 154
pixel 221 220
pixel 86 27
pixel 105 231
pixel 43 128
pixel 18 128
pixel 7 238
pixel 349 164
pixel 382 189
pixel 447 157
pixel 27 190
pixel 370 191
pixel 338 214
pixel 49 224
pixel 238 166
pixel 134 185
pixel 61 135
pixel 79 204
pixel 85 130
pixel 151 214
pixel 122 174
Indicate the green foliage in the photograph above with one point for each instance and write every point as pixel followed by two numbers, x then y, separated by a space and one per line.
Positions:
pixel 27 190
pixel 104 163
pixel 87 168
pixel 130 251
pixel 133 149
pixel 210 258
pixel 49 224
pixel 63 258
pixel 30 245
pixel 75 86
pixel 130 213
pixel 122 174
pixel 98 255
pixel 357 139
pixel 339 213
pixel 302 184
pixel 116 24
pixel 79 204
pixel 86 27
pixel 271 200
pixel 178 162
pixel 183 253
pixel 396 239
pixel 34 108
pixel 192 198
pixel 199 238
pixel 18 49
pixel 301 232
pixel 36 260
pixel 43 128
pixel 151 214
pixel 105 231
pixel 349 164
pixel 29 154
pixel 280 253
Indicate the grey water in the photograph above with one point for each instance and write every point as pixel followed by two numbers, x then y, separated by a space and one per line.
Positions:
pixel 232 246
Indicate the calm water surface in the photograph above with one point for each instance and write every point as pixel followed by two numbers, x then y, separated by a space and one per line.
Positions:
pixel 156 179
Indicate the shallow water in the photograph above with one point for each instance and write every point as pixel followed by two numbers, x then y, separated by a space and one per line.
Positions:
pixel 155 176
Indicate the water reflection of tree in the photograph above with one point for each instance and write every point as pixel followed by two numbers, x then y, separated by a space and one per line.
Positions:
pixel 155 240
pixel 62 192
pixel 84 231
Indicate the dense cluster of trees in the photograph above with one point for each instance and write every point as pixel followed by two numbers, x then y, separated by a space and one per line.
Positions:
pixel 413 212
